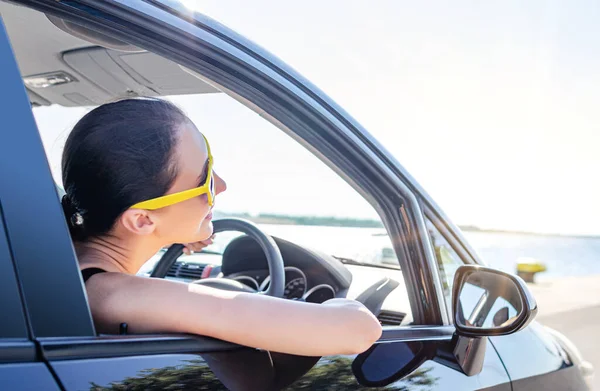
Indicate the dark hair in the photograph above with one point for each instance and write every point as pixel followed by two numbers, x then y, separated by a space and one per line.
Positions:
pixel 118 154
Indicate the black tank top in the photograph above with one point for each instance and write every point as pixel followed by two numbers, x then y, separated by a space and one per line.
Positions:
pixel 87 273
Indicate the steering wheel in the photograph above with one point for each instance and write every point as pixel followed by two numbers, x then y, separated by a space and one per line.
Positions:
pixel 268 245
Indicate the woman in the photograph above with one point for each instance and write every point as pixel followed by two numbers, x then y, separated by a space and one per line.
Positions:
pixel 138 177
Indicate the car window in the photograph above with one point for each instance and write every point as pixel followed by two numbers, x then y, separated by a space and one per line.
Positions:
pixel 471 297
pixel 447 260
pixel 273 181
pixel 12 321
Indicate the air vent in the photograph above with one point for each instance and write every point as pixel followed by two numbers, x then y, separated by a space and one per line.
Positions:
pixel 390 318
pixel 190 271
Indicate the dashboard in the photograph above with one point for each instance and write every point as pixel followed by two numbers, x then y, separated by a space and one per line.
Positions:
pixel 309 276
pixel 296 285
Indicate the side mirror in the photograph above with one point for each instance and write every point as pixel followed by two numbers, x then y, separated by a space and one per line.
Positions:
pixel 386 363
pixel 488 302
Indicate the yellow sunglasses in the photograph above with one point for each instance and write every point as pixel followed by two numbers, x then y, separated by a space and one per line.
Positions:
pixel 207 188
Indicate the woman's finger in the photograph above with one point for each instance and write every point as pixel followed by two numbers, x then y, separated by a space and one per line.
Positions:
pixel 198 246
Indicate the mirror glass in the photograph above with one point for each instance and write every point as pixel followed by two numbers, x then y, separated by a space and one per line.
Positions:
pixel 488 300
pixel 388 362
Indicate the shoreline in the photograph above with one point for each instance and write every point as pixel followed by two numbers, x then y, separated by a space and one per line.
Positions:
pixel 563 294
pixel 526 233
pixel 341 222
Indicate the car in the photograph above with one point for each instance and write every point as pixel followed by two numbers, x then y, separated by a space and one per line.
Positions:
pixel 449 321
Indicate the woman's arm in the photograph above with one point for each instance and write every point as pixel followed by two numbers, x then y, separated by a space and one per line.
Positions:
pixel 148 305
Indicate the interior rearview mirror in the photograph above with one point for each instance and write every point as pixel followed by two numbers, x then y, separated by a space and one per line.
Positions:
pixel 489 302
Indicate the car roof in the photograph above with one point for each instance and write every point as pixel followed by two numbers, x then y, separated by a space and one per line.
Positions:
pixel 100 68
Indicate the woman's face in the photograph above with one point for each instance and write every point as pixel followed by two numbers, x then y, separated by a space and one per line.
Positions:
pixel 191 220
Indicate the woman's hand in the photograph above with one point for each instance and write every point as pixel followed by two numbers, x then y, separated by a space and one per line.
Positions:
pixel 190 248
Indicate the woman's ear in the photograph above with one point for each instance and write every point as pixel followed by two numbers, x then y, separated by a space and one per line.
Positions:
pixel 138 221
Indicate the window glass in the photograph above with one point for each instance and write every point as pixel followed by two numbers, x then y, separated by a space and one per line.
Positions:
pixel 447 260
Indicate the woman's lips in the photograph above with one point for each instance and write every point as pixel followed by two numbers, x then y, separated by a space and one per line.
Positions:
pixel 208 216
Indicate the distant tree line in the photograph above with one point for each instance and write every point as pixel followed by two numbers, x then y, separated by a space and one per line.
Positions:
pixel 330 221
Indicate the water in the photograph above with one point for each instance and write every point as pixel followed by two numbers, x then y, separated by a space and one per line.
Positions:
pixel 363 244
pixel 563 256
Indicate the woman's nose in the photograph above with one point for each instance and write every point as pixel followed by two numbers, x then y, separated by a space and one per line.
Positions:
pixel 220 184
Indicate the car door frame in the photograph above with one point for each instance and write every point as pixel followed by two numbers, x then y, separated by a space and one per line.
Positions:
pixel 271 88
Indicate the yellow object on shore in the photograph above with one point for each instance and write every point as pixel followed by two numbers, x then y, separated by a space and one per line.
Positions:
pixel 530 266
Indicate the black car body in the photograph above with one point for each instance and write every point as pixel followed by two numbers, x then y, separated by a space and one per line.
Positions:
pixel 47 337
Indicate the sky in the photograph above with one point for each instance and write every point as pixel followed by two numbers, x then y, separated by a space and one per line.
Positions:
pixel 491 107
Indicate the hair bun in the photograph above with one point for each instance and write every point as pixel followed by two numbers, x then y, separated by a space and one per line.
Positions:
pixel 74 217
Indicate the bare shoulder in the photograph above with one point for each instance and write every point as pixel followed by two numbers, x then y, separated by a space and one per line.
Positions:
pixel 122 284
pixel 146 304
pixel 121 287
